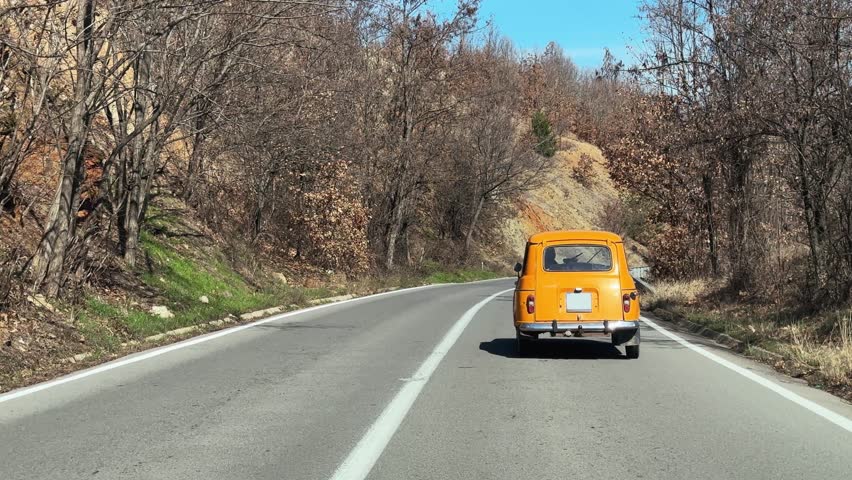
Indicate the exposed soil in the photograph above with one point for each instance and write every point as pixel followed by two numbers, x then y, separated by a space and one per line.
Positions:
pixel 565 203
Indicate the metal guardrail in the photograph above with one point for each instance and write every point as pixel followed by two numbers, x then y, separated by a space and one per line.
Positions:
pixel 640 276
pixel 640 273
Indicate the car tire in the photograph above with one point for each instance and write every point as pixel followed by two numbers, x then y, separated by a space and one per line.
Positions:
pixel 523 344
pixel 632 351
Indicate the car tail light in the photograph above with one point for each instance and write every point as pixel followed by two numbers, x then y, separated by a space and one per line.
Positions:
pixel 530 303
pixel 626 301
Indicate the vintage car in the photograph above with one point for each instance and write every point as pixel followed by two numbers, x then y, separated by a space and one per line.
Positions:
pixel 576 284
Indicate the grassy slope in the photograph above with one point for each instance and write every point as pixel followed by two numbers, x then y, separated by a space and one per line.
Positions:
pixel 182 274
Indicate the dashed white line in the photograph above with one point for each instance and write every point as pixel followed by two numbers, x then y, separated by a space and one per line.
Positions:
pixel 367 451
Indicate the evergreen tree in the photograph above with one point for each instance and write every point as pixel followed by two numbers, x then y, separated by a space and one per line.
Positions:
pixel 542 130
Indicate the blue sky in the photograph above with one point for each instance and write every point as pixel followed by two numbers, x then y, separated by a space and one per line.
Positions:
pixel 582 27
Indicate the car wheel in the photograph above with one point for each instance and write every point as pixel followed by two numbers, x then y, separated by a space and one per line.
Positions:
pixel 632 351
pixel 523 344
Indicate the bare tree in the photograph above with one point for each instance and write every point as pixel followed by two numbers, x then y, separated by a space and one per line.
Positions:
pixel 420 68
pixel 30 64
pixel 497 157
pixel 48 264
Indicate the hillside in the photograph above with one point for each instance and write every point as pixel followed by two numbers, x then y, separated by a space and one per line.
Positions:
pixel 577 196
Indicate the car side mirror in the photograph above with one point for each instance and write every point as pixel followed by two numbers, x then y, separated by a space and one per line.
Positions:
pixel 518 268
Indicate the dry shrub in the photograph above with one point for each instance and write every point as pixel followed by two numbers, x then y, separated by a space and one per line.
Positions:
pixel 583 171
pixel 333 221
pixel 676 253
pixel 627 217
pixel 10 265
pixel 832 356
pixel 612 217
pixel 676 292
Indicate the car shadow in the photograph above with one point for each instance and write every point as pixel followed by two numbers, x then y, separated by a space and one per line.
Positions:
pixel 555 348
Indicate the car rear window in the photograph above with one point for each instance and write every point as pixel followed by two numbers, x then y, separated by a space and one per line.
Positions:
pixel 577 258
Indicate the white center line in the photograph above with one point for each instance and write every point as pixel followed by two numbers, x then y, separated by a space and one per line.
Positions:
pixel 823 412
pixel 361 459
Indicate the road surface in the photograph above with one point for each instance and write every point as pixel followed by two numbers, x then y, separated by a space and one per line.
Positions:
pixel 423 384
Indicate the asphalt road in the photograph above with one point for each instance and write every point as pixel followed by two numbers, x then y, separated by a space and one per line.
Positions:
pixel 419 385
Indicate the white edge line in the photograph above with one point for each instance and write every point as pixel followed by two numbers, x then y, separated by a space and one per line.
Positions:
pixel 814 407
pixel 367 451
pixel 22 392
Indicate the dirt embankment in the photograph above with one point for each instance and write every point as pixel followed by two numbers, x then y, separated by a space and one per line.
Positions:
pixel 575 196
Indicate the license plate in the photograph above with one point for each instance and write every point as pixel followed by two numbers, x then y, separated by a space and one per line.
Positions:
pixel 578 302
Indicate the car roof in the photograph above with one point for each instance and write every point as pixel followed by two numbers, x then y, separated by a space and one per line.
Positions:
pixel 557 235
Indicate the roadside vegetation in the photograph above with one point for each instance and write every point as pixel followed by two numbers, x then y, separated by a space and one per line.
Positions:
pixel 199 288
pixel 814 346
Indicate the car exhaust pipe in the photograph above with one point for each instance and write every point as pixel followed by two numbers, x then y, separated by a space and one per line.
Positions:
pixel 554 330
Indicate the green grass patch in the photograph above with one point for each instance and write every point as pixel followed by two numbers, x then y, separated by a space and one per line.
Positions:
pixel 323 292
pixel 183 274
pixel 183 280
pixel 97 336
pixel 433 272
pixel 461 276
pixel 428 273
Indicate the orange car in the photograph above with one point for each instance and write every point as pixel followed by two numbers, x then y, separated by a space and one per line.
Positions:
pixel 576 284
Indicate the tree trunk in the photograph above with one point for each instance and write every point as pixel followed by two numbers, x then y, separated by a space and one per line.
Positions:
pixel 262 195
pixel 741 274
pixel 813 219
pixel 132 207
pixel 407 236
pixel 470 230
pixel 142 151
pixel 48 263
pixel 136 216
pixel 194 167
pixel 136 205
pixel 711 225
pixel 195 163
pixel 397 215
pixel 7 171
pixel 132 238
pixel 121 227
pixel 406 121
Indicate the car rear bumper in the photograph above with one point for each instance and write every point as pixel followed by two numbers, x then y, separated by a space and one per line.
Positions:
pixel 578 328
pixel 586 327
